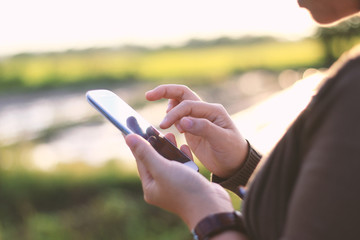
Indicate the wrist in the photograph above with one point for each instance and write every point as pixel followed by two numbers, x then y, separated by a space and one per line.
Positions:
pixel 230 164
pixel 197 217
pixel 240 159
pixel 242 175
pixel 214 202
pixel 230 234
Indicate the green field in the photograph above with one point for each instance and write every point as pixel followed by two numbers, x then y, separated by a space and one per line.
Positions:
pixel 182 65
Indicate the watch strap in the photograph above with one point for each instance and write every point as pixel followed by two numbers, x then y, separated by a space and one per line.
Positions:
pixel 217 223
pixel 242 175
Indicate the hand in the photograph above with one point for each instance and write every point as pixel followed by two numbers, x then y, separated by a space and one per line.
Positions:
pixel 174 186
pixel 209 130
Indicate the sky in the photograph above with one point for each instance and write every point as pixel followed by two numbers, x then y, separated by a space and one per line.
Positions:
pixel 48 25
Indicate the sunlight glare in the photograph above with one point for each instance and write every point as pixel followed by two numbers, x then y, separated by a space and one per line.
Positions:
pixel 42 25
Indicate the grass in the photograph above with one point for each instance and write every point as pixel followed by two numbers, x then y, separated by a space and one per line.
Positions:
pixel 103 203
pixel 219 62
pixel 183 65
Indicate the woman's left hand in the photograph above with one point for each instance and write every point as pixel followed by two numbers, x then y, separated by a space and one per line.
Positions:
pixel 175 187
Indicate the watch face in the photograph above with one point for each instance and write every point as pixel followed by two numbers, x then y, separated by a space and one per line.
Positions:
pixel 195 236
pixel 238 214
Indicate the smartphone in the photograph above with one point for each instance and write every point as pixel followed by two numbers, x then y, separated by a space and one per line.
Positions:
pixel 127 120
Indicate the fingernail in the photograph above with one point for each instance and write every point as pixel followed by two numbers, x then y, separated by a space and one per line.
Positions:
pixel 187 123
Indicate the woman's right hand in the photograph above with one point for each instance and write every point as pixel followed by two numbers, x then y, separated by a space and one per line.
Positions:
pixel 208 128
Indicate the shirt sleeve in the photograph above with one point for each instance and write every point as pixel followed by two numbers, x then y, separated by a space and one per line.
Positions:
pixel 325 203
pixel 241 177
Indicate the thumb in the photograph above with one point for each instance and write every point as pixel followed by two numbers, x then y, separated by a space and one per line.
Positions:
pixel 201 127
pixel 145 153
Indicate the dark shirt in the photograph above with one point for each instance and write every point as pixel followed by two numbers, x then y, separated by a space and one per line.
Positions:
pixel 309 186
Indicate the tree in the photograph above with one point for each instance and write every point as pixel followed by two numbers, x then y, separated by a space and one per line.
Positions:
pixel 338 39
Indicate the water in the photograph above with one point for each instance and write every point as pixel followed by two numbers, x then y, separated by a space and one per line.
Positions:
pixel 62 127
pixel 77 138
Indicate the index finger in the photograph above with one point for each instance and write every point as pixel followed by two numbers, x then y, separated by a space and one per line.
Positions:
pixel 172 91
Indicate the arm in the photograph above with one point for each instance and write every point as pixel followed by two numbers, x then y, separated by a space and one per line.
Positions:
pixel 230 235
pixel 177 188
pixel 325 201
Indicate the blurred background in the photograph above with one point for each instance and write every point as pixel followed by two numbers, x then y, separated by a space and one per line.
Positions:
pixel 65 172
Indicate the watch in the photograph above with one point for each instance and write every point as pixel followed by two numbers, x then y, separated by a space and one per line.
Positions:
pixel 218 223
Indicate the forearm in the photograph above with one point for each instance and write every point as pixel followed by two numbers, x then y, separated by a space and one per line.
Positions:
pixel 214 200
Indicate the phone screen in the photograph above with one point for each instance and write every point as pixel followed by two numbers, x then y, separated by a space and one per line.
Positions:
pixel 129 121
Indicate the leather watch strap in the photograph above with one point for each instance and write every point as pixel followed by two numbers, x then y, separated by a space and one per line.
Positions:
pixel 217 223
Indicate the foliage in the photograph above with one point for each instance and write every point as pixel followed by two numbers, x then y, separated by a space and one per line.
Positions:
pixel 105 204
pixel 226 41
pixel 339 38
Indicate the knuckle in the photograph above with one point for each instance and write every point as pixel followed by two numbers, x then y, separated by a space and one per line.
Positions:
pixel 184 88
pixel 139 152
pixel 185 107
pixel 186 103
pixel 219 107
pixel 187 93
pixel 204 124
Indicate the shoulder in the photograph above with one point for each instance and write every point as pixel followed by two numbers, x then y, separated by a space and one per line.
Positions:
pixel 347 68
pixel 349 60
pixel 332 118
pixel 342 80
